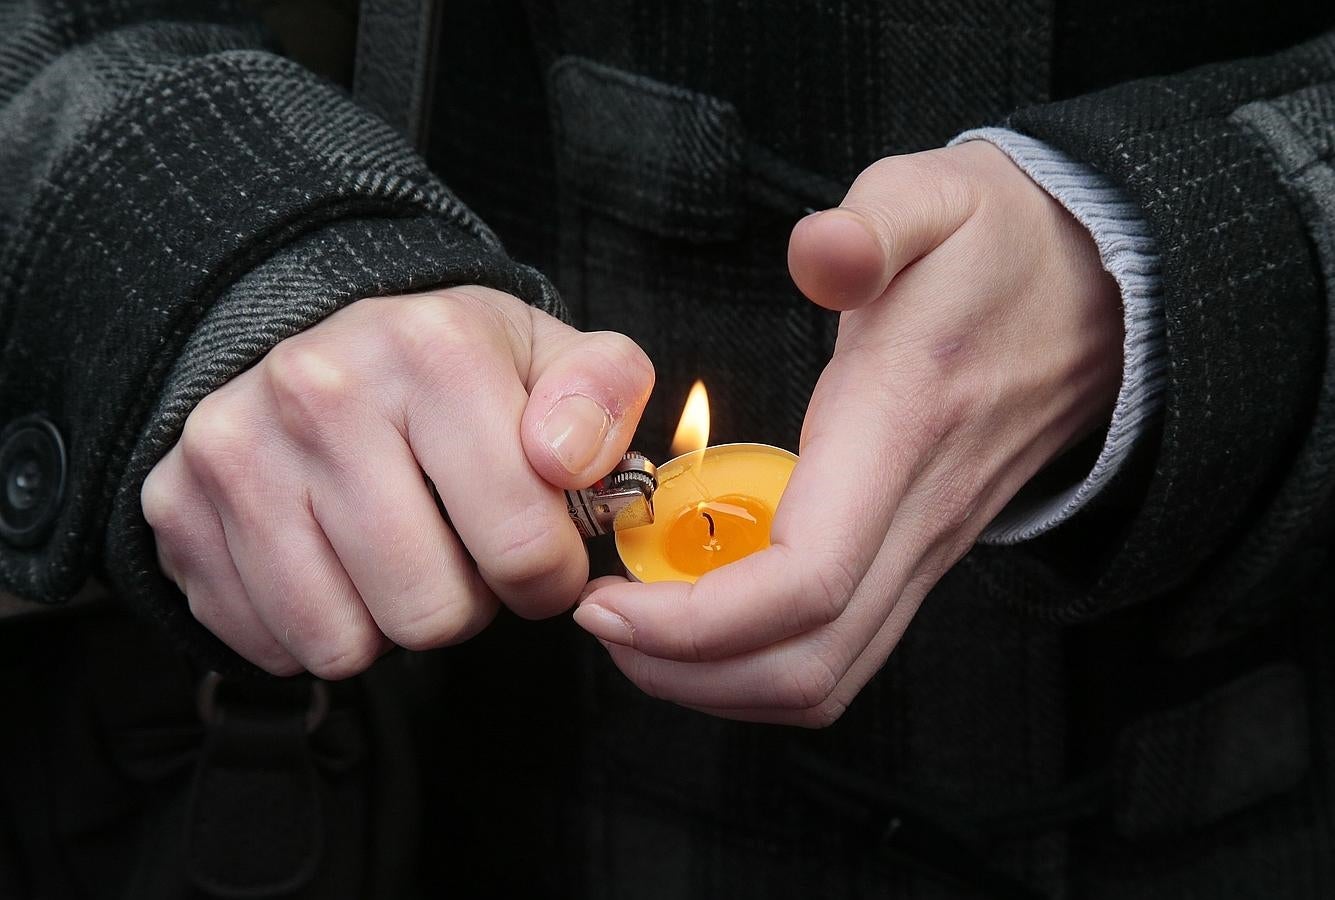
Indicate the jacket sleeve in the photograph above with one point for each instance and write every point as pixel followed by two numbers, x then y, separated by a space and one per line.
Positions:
pixel 1231 165
pixel 174 200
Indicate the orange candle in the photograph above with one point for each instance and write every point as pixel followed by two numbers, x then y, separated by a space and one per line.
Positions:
pixel 713 506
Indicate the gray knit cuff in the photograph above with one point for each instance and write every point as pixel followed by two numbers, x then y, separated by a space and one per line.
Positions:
pixel 1127 250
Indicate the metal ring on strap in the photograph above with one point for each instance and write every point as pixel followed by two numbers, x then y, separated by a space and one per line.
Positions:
pixel 206 701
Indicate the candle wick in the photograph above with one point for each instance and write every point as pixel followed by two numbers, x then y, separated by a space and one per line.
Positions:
pixel 710 519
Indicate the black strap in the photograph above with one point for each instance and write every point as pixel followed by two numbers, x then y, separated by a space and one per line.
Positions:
pixel 257 784
pixel 394 72
pixel 254 822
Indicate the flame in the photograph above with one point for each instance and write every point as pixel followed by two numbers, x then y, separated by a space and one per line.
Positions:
pixel 693 429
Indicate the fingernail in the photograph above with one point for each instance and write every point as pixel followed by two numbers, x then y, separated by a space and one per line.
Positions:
pixel 604 624
pixel 574 430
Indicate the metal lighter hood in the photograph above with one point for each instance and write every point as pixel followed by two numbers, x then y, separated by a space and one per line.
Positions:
pixel 624 499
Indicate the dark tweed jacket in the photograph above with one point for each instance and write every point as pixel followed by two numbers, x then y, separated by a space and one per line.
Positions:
pixel 1137 705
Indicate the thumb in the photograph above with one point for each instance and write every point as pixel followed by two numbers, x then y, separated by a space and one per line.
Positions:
pixel 586 395
pixel 899 209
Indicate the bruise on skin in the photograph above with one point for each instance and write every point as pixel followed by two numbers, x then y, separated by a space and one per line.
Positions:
pixel 951 352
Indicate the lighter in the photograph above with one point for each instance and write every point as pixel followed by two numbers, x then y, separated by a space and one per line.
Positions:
pixel 624 499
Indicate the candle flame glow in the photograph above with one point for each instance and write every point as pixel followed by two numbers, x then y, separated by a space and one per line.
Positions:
pixel 693 429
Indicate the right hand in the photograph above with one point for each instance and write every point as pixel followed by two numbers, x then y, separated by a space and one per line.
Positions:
pixel 294 514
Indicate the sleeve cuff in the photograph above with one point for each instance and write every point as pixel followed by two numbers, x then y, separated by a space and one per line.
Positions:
pixel 1128 252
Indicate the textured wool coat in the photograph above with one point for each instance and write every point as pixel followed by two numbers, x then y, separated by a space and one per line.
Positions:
pixel 1138 704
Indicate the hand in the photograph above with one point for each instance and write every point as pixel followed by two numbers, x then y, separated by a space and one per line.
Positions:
pixel 979 338
pixel 294 512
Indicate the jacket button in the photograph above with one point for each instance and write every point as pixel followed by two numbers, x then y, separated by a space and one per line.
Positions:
pixel 32 480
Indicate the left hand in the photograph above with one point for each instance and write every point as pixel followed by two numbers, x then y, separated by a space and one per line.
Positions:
pixel 979 337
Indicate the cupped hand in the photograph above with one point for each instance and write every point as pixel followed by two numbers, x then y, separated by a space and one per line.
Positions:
pixel 979 337
pixel 295 514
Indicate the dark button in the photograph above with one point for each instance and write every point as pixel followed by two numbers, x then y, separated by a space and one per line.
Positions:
pixel 32 467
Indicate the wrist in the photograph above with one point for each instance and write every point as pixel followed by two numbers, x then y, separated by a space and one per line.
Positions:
pixel 1128 253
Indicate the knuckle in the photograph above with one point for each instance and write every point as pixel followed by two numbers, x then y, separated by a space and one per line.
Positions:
pixel 352 654
pixel 626 358
pixel 954 198
pixel 299 620
pixel 430 315
pixel 436 624
pixel 944 190
pixel 691 646
pixel 290 603
pixel 177 544
pixel 526 552
pixel 487 301
pixel 308 383
pixel 217 439
pixel 431 330
pixel 277 662
pixel 949 182
pixel 159 503
pixel 822 715
pixel 807 685
pixel 832 584
pixel 882 168
pixel 218 615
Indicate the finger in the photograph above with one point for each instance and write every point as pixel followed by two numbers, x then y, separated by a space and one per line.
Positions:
pixel 299 588
pixel 192 552
pixel 837 260
pixel 600 582
pixel 587 394
pixel 415 577
pixel 465 433
pixel 898 210
pixel 368 497
pixel 218 600
pixel 804 680
pixel 221 605
pixel 807 577
pixel 830 707
pixel 794 674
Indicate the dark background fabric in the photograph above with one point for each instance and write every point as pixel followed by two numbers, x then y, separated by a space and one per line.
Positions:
pixel 1028 737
